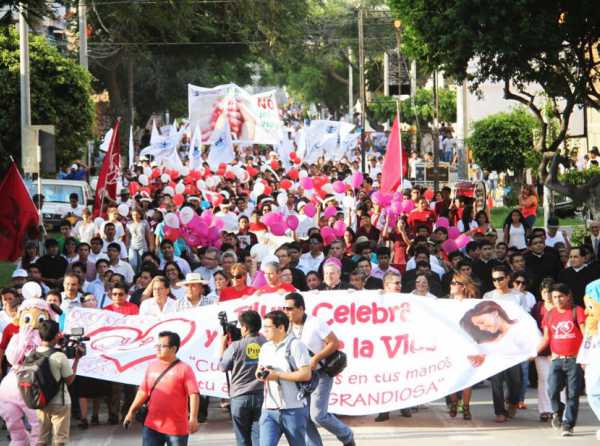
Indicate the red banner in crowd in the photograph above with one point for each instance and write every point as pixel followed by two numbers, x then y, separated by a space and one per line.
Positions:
pixel 18 214
pixel 109 172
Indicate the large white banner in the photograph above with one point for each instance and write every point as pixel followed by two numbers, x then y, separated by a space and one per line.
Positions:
pixel 252 118
pixel 402 350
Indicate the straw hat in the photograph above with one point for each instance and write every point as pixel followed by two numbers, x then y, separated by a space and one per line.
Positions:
pixel 191 278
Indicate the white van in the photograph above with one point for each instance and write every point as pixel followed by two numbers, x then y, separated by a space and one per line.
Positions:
pixel 56 197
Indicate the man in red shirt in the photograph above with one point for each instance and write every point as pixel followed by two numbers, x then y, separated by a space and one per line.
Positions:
pixel 119 304
pixel 563 331
pixel 274 283
pixel 168 420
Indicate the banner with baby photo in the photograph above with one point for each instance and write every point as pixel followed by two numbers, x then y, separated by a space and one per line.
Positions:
pixel 402 350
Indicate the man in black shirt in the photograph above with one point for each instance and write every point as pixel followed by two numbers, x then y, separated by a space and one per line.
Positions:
pixel 482 267
pixel 578 275
pixel 371 283
pixel 52 265
pixel 540 263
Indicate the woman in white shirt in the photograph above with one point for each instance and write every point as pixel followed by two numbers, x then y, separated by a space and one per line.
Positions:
pixel 422 286
pixel 515 230
pixel 467 222
pixel 174 275
pixel 85 229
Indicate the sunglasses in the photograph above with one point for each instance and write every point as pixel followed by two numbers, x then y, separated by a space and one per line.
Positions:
pixel 498 279
pixel 289 308
pixel 519 282
pixel 238 276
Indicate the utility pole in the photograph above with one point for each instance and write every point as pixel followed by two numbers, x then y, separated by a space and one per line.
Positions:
pixel 83 47
pixel 436 133
pixel 413 95
pixel 24 83
pixel 350 84
pixel 363 102
pixel 386 74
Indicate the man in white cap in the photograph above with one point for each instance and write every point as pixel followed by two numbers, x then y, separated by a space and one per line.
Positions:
pixel 194 292
pixel 229 218
pixel 18 278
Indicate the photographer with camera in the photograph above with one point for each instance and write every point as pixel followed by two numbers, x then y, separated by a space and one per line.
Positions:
pixel 55 417
pixel 241 359
pixel 283 363
pixel 321 343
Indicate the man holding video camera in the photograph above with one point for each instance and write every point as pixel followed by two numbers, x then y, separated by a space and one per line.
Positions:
pixel 241 359
pixel 55 418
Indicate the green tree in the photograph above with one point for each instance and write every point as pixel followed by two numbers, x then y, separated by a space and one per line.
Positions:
pixel 519 43
pixel 60 96
pixel 504 141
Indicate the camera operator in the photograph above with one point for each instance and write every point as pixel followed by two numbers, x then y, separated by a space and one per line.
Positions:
pixel 246 393
pixel 284 409
pixel 55 418
pixel 321 343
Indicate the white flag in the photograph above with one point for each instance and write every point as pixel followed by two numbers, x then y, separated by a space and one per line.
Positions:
pixel 221 150
pixel 131 148
pixel 195 152
pixel 105 145
pixel 154 136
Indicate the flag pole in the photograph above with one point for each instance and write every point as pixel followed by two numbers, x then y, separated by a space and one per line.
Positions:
pixel 400 143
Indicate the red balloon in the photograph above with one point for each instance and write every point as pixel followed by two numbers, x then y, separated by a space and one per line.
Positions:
pixel 293 174
pixel 274 164
pixel 174 174
pixel 134 188
pixel 155 173
pixel 428 194
pixel 230 175
pixel 268 190
pixel 252 171
pixel 178 199
pixel 285 184
pixel 293 156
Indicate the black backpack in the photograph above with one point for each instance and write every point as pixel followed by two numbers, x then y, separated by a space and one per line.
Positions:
pixel 35 380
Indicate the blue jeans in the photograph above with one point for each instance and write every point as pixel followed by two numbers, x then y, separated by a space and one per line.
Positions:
pixel 245 413
pixel 151 437
pixel 524 380
pixel 565 372
pixel 592 386
pixel 135 258
pixel 318 403
pixel 288 422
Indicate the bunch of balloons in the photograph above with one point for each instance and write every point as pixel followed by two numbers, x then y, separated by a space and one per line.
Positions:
pixel 196 230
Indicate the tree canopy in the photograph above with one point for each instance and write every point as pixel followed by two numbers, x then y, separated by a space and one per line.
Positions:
pixel 60 96
pixel 551 43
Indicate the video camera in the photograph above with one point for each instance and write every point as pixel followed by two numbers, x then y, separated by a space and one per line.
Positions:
pixel 74 341
pixel 229 328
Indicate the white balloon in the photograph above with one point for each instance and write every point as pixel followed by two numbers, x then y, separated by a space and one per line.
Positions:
pixel 147 171
pixel 225 194
pixel 243 176
pixel 179 188
pixel 303 173
pixel 168 191
pixel 98 222
pixel 123 210
pixel 186 215
pixel 210 182
pixel 143 179
pixel 171 220
pixel 184 171
pixel 348 202
pixel 31 290
pixel 282 198
pixel 259 188
pixel 328 188
pixel 165 178
pixel 308 193
pixel 200 184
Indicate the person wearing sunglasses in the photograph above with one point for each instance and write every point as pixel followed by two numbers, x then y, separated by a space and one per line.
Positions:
pixel 239 284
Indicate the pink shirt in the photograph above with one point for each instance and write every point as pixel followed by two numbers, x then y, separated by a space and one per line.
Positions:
pixel 168 411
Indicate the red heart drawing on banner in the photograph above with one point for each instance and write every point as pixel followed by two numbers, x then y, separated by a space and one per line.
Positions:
pixel 130 336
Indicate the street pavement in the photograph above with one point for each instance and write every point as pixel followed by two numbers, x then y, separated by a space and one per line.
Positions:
pixel 429 426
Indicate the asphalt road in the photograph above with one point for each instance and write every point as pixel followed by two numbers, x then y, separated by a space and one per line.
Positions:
pixel 429 426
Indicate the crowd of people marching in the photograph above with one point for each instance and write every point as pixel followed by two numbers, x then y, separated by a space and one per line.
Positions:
pixel 174 240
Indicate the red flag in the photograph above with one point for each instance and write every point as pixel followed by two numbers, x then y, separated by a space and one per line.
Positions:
pixel 395 156
pixel 109 172
pixel 18 214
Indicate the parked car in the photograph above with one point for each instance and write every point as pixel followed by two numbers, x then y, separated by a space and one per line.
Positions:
pixel 56 198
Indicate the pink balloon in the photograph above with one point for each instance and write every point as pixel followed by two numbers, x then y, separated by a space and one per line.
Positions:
pixel 442 222
pixel 339 187
pixel 449 246
pixel 219 223
pixel 339 227
pixel 357 180
pixel 213 233
pixel 171 233
pixel 462 240
pixel 292 222
pixel 407 205
pixel 278 228
pixel 310 210
pixel 269 218
pixel 396 207
pixel 259 280
pixel 330 211
pixel 327 234
pixel 453 232
pixel 306 183
pixel 207 217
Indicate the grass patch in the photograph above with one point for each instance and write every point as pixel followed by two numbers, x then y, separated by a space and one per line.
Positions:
pixel 6 270
pixel 499 215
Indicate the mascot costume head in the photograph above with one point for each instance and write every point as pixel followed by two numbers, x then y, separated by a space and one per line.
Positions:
pixel 31 312
pixel 592 307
